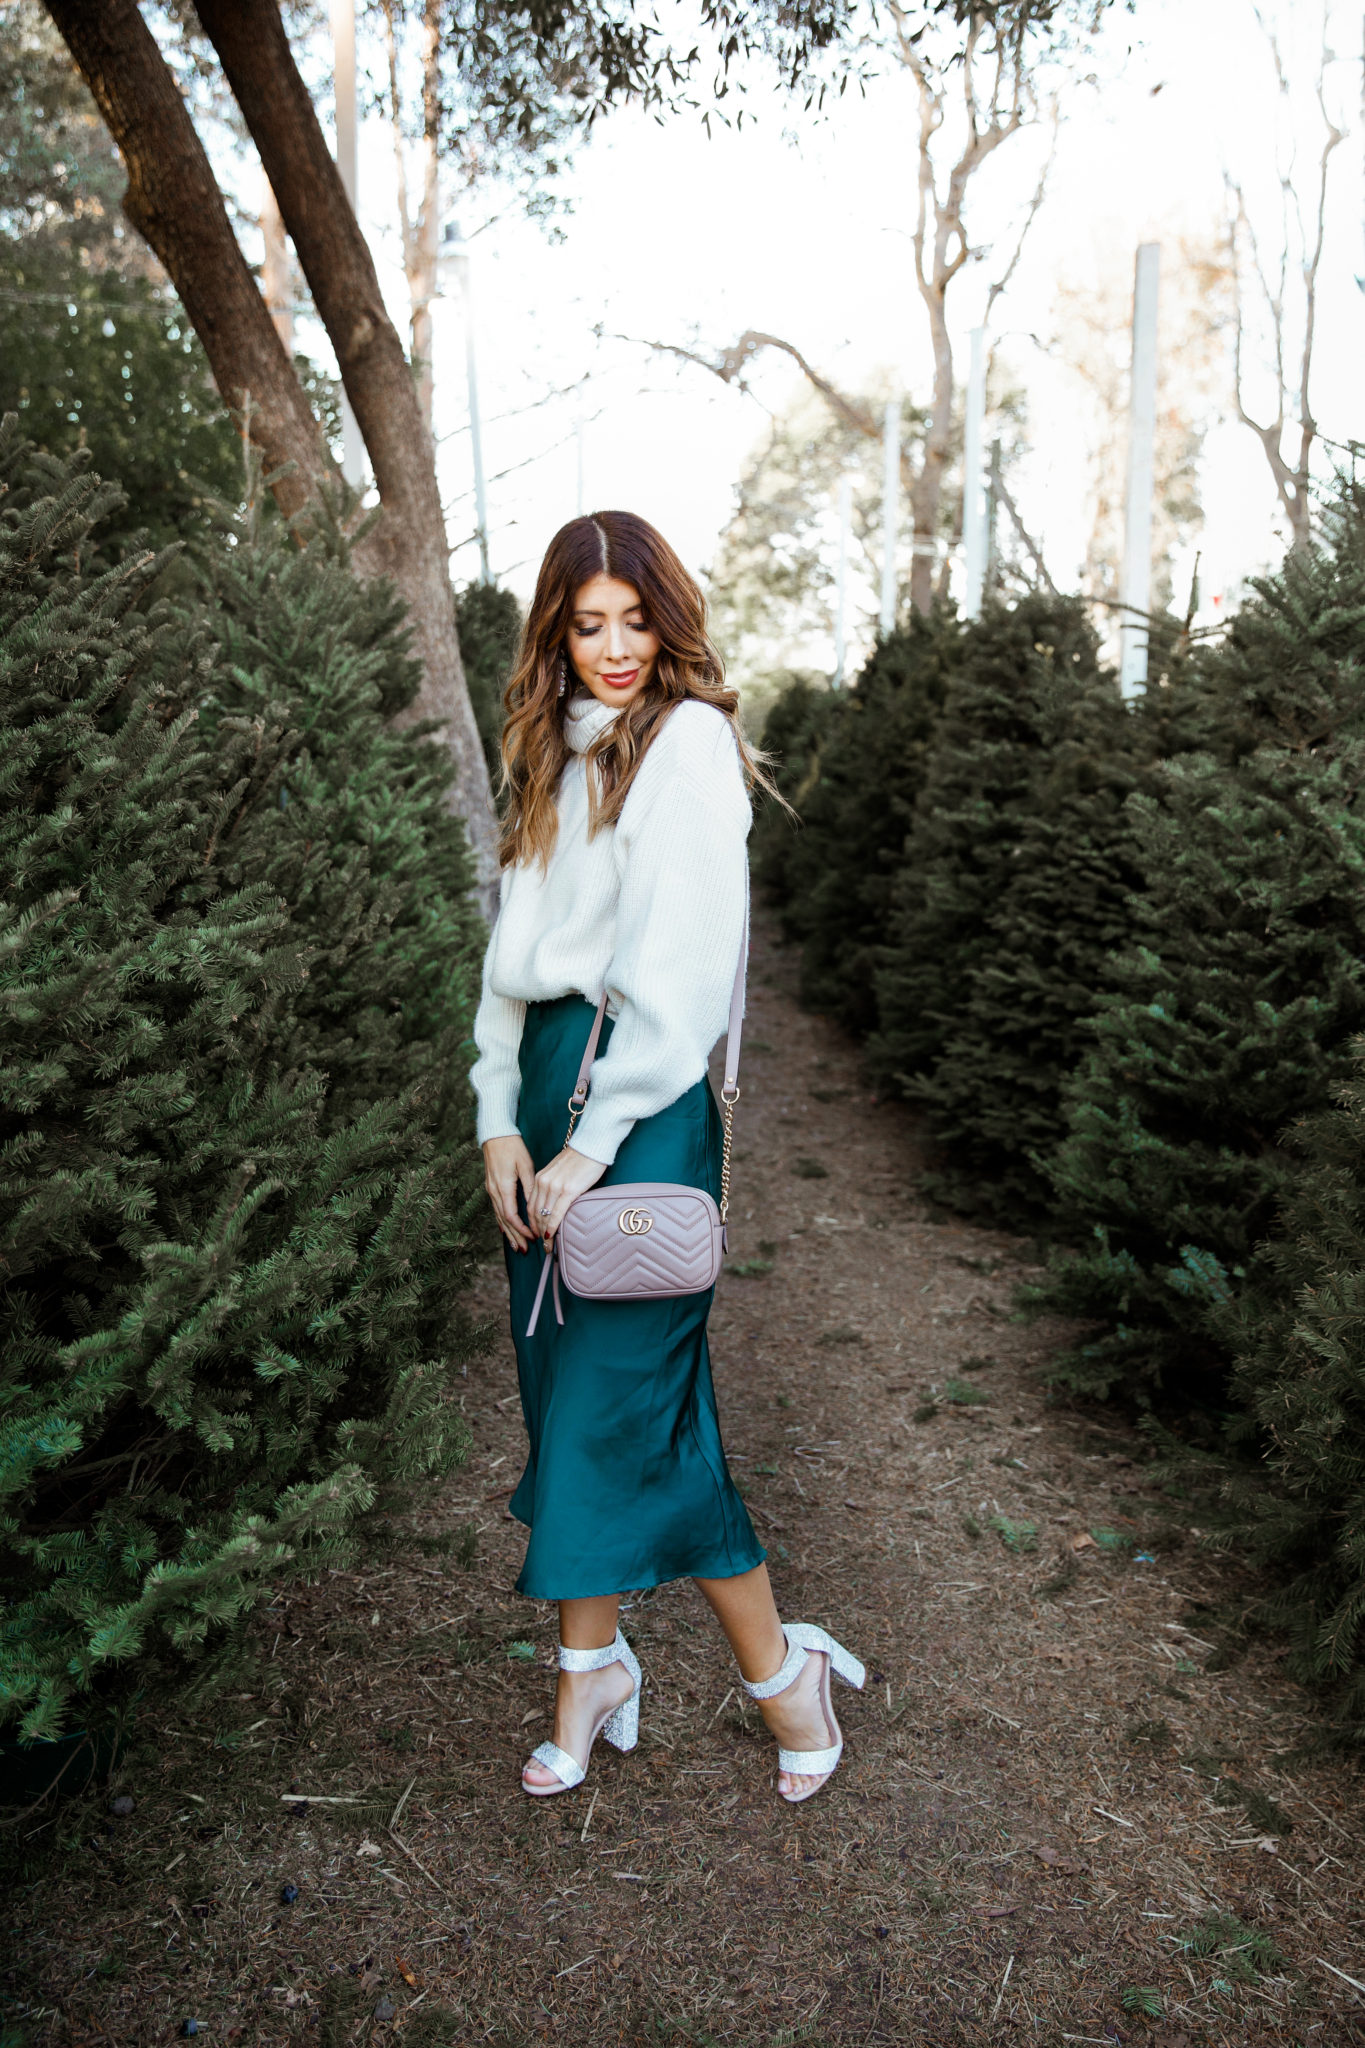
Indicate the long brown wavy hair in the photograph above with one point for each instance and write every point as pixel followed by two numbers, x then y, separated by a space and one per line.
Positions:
pixel 534 749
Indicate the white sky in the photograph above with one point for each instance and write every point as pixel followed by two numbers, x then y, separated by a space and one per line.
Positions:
pixel 801 227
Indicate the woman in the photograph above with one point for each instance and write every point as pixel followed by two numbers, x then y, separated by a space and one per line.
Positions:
pixel 624 870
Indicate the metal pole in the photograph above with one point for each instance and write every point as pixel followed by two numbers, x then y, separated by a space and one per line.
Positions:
pixel 1136 593
pixel 841 597
pixel 891 484
pixel 343 47
pixel 455 246
pixel 973 492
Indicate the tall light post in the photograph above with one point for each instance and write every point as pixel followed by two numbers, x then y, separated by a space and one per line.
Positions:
pixel 343 47
pixel 1136 594
pixel 456 250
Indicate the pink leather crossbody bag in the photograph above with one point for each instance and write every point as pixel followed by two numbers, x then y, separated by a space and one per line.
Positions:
pixel 646 1237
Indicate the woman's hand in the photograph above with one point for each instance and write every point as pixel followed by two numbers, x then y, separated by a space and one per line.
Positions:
pixel 568 1174
pixel 507 1167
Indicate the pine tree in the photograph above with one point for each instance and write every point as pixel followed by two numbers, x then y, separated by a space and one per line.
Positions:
pixel 864 760
pixel 961 853
pixel 489 622
pixel 1228 1013
pixel 793 734
pixel 239 1195
pixel 1298 1395
pixel 993 1096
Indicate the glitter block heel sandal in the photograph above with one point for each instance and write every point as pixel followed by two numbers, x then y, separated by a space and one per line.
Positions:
pixel 620 1725
pixel 805 1639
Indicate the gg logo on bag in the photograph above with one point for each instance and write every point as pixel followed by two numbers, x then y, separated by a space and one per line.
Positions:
pixel 635 1222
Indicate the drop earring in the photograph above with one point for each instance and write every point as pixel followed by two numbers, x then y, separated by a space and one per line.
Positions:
pixel 563 672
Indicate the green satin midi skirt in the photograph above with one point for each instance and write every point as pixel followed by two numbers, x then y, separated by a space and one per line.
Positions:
pixel 626 1484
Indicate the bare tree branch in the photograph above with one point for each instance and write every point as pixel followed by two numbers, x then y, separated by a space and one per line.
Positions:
pixel 731 364
pixel 1031 545
pixel 1293 481
pixel 1001 284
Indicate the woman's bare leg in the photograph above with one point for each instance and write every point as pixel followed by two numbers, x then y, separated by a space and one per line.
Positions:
pixel 583 1696
pixel 745 1608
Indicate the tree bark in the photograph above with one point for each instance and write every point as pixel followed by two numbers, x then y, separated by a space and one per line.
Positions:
pixel 409 542
pixel 174 202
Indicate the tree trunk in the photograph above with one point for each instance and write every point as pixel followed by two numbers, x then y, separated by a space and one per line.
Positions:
pixel 410 540
pixel 927 494
pixel 174 203
pixel 422 271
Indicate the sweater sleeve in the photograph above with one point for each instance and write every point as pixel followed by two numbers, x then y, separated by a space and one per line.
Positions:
pixel 495 1075
pixel 679 926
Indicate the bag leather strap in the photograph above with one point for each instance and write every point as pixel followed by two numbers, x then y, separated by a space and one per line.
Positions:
pixel 578 1101
pixel 729 1095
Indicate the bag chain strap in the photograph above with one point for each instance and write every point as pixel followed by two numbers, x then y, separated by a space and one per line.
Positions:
pixel 729 1097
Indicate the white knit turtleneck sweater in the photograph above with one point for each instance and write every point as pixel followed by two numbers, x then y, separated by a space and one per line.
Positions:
pixel 652 910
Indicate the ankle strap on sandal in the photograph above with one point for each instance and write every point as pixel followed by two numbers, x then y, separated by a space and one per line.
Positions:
pixel 768 1688
pixel 594 1660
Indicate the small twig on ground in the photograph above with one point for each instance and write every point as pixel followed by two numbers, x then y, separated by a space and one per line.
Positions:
pixel 397 1811
pixel 399 1843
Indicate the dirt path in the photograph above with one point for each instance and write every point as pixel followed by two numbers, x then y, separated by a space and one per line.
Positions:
pixel 1053 1812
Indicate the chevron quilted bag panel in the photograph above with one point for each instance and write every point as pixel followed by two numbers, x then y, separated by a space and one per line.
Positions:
pixel 640 1238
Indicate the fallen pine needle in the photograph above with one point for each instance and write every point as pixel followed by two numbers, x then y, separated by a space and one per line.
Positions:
pixel 393 1817
pixel 399 1843
pixel 1001 1992
pixel 1354 1982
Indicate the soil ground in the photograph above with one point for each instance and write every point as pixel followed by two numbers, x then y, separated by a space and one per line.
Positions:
pixel 1069 1810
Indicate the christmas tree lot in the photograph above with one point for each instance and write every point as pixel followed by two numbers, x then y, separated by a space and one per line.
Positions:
pixel 1295 1500
pixel 833 876
pixel 1010 890
pixel 1122 967
pixel 240 1201
pixel 1226 1014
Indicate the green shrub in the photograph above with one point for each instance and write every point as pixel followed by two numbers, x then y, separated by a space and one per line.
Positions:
pixel 489 624
pixel 1227 1014
pixel 793 735
pixel 1011 890
pixel 854 765
pixel 1296 1499
pixel 237 969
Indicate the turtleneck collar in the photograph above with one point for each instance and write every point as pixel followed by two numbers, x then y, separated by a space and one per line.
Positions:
pixel 585 716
